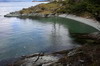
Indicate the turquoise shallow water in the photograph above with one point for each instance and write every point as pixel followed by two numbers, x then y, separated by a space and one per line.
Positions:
pixel 22 36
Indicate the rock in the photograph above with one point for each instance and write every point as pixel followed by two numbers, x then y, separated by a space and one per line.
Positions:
pixel 56 64
pixel 37 61
pixel 71 53
pixel 29 15
pixel 82 56
pixel 95 35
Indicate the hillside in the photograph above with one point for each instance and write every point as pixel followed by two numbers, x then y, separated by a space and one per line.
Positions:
pixel 83 8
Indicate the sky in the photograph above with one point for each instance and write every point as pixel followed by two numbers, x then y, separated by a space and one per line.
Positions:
pixel 13 0
pixel 19 0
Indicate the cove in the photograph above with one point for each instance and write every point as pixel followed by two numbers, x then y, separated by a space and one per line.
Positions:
pixel 23 36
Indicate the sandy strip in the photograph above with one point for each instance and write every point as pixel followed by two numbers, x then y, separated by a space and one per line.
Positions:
pixel 90 22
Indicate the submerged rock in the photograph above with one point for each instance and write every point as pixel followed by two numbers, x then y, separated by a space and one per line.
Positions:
pixel 92 38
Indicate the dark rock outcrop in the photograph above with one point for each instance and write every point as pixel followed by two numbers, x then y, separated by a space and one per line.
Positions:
pixel 17 14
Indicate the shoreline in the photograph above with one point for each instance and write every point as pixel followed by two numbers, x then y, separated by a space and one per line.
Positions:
pixel 77 56
pixel 65 57
pixel 89 22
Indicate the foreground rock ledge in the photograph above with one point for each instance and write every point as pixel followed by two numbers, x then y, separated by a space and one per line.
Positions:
pixel 83 56
pixel 86 55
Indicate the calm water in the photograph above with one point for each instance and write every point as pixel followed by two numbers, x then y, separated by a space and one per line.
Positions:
pixel 20 36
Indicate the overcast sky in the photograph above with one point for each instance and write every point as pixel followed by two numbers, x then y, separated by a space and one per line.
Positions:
pixel 19 0
pixel 13 0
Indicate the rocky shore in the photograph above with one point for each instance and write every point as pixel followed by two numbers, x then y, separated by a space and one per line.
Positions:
pixel 41 10
pixel 52 10
pixel 17 14
pixel 88 21
pixel 86 55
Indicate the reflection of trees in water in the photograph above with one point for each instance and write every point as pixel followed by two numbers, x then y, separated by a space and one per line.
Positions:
pixel 55 35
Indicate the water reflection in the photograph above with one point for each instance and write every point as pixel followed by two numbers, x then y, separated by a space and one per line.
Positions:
pixel 72 25
pixel 26 36
pixel 22 36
